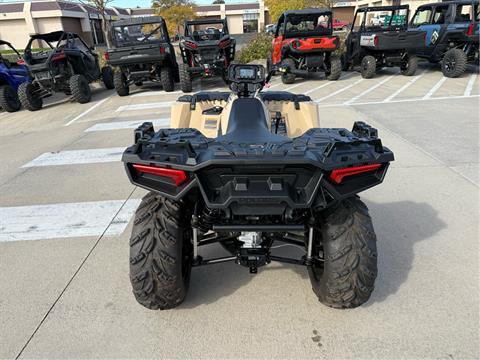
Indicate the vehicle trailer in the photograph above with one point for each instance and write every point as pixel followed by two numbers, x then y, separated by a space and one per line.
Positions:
pixel 142 52
pixel 248 169
pixel 304 44
pixel 452 34
pixel 207 50
pixel 12 75
pixel 383 42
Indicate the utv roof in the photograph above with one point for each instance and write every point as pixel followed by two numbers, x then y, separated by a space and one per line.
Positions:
pixel 53 36
pixel 139 21
pixel 307 11
pixel 383 8
pixel 205 22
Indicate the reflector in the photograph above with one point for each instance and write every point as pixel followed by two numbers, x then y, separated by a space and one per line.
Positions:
pixel 177 176
pixel 338 174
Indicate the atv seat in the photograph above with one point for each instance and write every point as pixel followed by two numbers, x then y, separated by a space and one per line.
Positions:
pixel 247 123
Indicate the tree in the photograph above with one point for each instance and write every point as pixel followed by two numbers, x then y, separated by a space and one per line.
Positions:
pixel 101 6
pixel 175 12
pixel 216 2
pixel 277 7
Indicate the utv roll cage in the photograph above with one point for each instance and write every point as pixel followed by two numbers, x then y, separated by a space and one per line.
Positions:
pixel 6 43
pixel 205 22
pixel 52 37
pixel 143 21
pixel 287 15
pixel 390 9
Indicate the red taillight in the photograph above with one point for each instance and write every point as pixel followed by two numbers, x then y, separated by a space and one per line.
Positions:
pixel 58 56
pixel 470 29
pixel 177 176
pixel 191 44
pixel 338 174
pixel 21 62
pixel 162 50
pixel 224 43
pixel 296 44
pixel 106 56
pixel 375 40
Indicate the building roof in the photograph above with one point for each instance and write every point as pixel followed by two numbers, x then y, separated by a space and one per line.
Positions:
pixel 10 8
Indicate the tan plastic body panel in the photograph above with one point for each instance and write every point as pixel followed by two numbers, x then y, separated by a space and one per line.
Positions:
pixel 297 121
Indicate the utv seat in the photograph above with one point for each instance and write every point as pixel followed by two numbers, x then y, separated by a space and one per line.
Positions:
pixel 248 124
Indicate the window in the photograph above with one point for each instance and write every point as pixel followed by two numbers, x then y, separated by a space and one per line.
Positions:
pixel 422 17
pixel 136 34
pixel 308 23
pixel 439 15
pixel 463 13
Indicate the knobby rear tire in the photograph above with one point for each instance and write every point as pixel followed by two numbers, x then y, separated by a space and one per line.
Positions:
pixel 454 63
pixel 9 100
pixel 185 78
pixel 368 67
pixel 348 242
pixel 120 83
pixel 167 79
pixel 28 97
pixel 409 68
pixel 335 70
pixel 161 252
pixel 80 89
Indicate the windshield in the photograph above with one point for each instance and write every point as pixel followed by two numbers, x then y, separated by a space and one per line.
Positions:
pixel 138 34
pixel 382 20
pixel 206 32
pixel 313 23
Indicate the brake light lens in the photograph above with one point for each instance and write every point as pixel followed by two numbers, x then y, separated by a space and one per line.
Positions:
pixel 177 176
pixel 59 56
pixel 375 40
pixel 21 62
pixel 106 56
pixel 224 43
pixel 191 44
pixel 162 50
pixel 470 29
pixel 338 175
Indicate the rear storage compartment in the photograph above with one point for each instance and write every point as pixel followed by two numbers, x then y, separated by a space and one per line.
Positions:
pixel 393 40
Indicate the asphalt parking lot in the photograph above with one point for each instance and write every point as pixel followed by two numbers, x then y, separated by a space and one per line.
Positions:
pixel 66 206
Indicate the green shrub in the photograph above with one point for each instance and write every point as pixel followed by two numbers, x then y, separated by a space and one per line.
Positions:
pixel 258 49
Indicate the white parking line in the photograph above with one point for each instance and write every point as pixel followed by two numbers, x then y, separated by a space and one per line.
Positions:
pixel 76 157
pixel 401 101
pixel 156 93
pixel 121 125
pixel 352 100
pixel 155 105
pixel 64 220
pixel 343 77
pixel 471 82
pixel 408 84
pixel 435 87
pixel 340 90
pixel 88 110
pixel 294 86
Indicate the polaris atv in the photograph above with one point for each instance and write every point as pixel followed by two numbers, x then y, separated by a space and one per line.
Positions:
pixel 68 65
pixel 379 38
pixel 249 169
pixel 452 34
pixel 12 74
pixel 304 44
pixel 143 52
pixel 207 50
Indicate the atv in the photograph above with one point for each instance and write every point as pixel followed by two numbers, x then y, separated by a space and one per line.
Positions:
pixel 379 38
pixel 452 33
pixel 68 65
pixel 12 74
pixel 248 170
pixel 207 50
pixel 304 44
pixel 142 52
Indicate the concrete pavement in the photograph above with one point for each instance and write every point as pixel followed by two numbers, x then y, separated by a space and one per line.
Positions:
pixel 70 297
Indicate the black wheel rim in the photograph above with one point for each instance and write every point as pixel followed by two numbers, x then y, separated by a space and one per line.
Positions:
pixel 449 64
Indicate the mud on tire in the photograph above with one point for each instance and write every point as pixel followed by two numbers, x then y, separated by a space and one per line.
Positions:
pixel 185 78
pixel 347 240
pixel 80 89
pixel 120 83
pixel 167 79
pixel 9 99
pixel 161 252
pixel 28 97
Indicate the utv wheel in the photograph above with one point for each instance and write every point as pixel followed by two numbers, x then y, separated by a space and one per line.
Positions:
pixel 161 252
pixel 120 83
pixel 80 89
pixel 368 67
pixel 288 77
pixel 185 79
pixel 454 63
pixel 168 82
pixel 409 67
pixel 27 93
pixel 107 77
pixel 335 68
pixel 9 99
pixel 346 277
